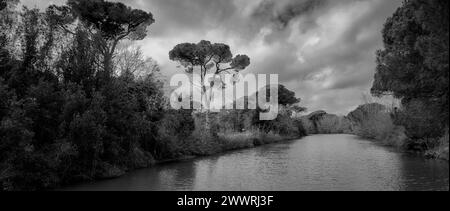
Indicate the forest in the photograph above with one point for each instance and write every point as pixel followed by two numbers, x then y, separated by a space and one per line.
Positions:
pixel 79 104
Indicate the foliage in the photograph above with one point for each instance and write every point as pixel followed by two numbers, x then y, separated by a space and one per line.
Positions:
pixel 108 23
pixel 173 129
pixel 413 65
pixel 285 124
pixel 441 150
pixel 61 122
pixel 208 56
pixel 115 20
pixel 211 58
pixel 286 97
pixel 320 122
pixel 419 117
pixel 3 4
pixel 373 121
pixel 132 60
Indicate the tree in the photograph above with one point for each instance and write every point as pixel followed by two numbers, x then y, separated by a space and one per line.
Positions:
pixel 131 60
pixel 109 23
pixel 414 62
pixel 210 58
pixel 3 4
pixel 286 97
pixel 7 13
pixel 79 63
pixel 8 23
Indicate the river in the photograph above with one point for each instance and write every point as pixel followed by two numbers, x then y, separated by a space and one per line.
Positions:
pixel 314 163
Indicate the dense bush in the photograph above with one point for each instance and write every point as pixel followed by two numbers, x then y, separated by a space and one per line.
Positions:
pixel 376 126
pixel 173 132
pixel 284 125
pixel 373 121
pixel 320 122
pixel 420 119
pixel 412 128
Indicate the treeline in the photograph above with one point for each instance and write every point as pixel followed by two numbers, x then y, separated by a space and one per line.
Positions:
pixel 76 105
pixel 413 67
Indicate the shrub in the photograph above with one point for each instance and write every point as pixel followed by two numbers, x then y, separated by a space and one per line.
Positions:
pixel 372 121
pixel 320 122
pixel 332 124
pixel 174 131
pixel 419 117
pixel 283 125
pixel 396 138
pixel 440 150
pixel 376 126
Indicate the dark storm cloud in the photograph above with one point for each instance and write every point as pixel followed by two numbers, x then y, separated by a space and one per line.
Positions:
pixel 282 13
pixel 324 50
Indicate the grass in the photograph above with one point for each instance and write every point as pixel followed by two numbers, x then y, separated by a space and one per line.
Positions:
pixel 202 144
pixel 234 140
pixel 248 139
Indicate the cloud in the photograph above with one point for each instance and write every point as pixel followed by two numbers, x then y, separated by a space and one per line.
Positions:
pixel 324 50
pixel 282 12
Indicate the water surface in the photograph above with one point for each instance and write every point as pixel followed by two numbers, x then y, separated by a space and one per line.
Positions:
pixel 314 163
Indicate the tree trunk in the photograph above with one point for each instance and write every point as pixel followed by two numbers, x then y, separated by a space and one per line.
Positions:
pixel 207 122
pixel 107 63
pixel 205 110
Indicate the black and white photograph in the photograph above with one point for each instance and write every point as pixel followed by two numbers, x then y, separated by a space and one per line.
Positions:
pixel 198 96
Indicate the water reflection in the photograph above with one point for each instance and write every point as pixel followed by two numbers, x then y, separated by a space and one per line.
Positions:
pixel 328 162
pixel 423 175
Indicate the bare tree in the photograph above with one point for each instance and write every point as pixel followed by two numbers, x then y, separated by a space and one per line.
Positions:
pixel 131 60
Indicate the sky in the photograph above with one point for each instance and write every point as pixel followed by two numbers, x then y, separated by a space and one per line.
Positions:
pixel 324 50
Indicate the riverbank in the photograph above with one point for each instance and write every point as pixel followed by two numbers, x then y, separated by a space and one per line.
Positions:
pixel 229 143
pixel 396 136
pixel 199 147
pixel 387 126
pixel 428 148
